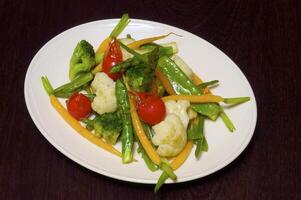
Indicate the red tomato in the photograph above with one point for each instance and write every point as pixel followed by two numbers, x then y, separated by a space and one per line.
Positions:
pixel 112 57
pixel 79 106
pixel 151 108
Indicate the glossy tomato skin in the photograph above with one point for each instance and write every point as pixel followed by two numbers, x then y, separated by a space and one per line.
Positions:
pixel 79 106
pixel 113 56
pixel 151 109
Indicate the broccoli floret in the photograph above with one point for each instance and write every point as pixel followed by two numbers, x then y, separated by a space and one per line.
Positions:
pixel 82 60
pixel 140 78
pixel 108 126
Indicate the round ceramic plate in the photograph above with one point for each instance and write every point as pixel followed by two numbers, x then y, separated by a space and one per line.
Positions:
pixel 207 61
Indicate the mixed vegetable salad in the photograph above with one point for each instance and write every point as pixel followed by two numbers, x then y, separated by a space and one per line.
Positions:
pixel 142 94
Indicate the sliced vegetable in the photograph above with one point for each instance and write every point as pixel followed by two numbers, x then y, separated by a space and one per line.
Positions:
pixel 201 145
pixel 207 98
pixel 151 152
pixel 181 84
pixel 167 86
pixel 68 89
pixel 74 123
pixel 196 128
pixel 149 163
pixel 227 121
pixel 127 127
pixel 138 43
pixel 175 164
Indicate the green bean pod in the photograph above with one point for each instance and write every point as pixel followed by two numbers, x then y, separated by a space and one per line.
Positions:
pixel 67 89
pixel 127 127
pixel 183 85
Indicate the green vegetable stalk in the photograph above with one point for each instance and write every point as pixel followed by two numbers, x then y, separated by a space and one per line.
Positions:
pixel 149 163
pixel 67 89
pixel 195 132
pixel 127 127
pixel 183 85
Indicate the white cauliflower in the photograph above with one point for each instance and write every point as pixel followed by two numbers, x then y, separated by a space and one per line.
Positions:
pixel 184 67
pixel 180 109
pixel 170 136
pixel 105 100
pixel 191 113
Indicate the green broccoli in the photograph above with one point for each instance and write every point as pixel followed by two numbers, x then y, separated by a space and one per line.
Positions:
pixel 140 76
pixel 82 60
pixel 108 126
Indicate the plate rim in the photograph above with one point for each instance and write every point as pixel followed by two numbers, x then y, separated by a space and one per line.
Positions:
pixel 223 163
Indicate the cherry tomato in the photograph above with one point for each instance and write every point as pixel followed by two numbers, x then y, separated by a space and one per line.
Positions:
pixel 79 106
pixel 151 108
pixel 112 57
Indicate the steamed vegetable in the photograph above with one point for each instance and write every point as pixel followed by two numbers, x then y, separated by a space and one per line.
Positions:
pixel 105 100
pixel 79 106
pixel 77 84
pixel 180 109
pixel 139 131
pixel 82 60
pixel 74 123
pixel 183 85
pixel 150 108
pixel 108 126
pixel 127 127
pixel 112 57
pixel 140 76
pixel 140 91
pixel 123 22
pixel 175 164
pixel 170 136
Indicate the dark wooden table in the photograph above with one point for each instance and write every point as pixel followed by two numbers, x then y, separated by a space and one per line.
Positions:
pixel 262 37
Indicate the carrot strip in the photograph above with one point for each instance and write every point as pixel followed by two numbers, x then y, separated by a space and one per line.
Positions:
pixel 80 129
pixel 138 43
pixel 103 46
pixel 206 98
pixel 181 158
pixel 151 152
pixel 166 84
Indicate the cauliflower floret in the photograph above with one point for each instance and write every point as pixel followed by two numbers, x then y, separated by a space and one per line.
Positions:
pixel 105 100
pixel 180 109
pixel 184 67
pixel 102 79
pixel 170 136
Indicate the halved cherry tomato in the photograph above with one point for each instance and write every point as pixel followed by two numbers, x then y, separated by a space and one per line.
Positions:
pixel 112 57
pixel 79 106
pixel 151 108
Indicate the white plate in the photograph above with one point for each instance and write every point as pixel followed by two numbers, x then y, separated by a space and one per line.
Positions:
pixel 206 60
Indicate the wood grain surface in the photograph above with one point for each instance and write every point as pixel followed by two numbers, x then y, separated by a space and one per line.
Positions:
pixel 262 37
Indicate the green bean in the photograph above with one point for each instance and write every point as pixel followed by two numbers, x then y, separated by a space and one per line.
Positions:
pixel 195 128
pixel 201 145
pixel 202 86
pixel 149 163
pixel 67 89
pixel 127 130
pixel 183 85
pixel 123 66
